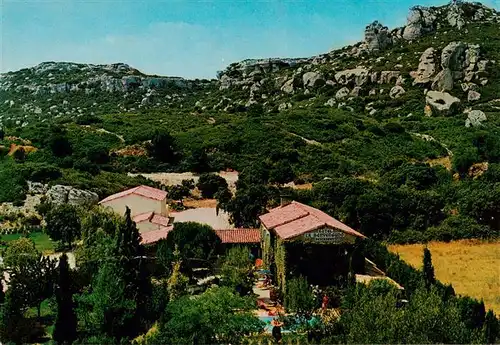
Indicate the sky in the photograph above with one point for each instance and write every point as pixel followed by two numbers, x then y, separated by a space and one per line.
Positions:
pixel 191 39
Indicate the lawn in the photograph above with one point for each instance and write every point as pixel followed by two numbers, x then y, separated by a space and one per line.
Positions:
pixel 42 242
pixel 473 267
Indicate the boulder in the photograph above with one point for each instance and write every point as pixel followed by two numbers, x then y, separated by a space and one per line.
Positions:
pixel 426 67
pixel 453 56
pixel 313 79
pixel 37 188
pixel 342 93
pixel 357 76
pixel 442 103
pixel 473 96
pixel 78 197
pixel 288 87
pixel 355 92
pixel 443 81
pixel 469 86
pixel 331 102
pixel 284 106
pixel 475 118
pixel 396 92
pixel 58 194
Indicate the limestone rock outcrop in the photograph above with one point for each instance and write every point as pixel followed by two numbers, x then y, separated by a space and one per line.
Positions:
pixel 59 194
pixel 442 103
pixel 426 67
pixel 313 79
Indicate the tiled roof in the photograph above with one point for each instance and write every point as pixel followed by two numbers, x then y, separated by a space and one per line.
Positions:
pixel 145 191
pixel 152 218
pixel 143 217
pixel 239 235
pixel 155 235
pixel 296 219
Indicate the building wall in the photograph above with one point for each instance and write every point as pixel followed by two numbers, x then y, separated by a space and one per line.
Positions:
pixel 137 204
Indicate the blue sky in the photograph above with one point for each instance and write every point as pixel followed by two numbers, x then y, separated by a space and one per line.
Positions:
pixel 192 39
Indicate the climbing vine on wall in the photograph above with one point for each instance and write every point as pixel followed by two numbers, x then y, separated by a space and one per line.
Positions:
pixel 267 250
pixel 280 261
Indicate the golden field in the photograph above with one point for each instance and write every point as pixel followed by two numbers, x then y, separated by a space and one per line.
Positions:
pixel 472 266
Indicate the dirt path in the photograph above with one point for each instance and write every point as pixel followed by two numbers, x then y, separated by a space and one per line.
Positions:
pixel 102 130
pixel 171 179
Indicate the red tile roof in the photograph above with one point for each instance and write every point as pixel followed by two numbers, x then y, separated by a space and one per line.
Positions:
pixel 239 235
pixel 155 235
pixel 145 191
pixel 296 219
pixel 152 218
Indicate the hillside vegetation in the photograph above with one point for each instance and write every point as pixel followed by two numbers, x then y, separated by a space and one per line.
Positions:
pixel 399 134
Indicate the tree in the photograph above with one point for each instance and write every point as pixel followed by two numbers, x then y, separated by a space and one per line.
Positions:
pixel 428 269
pixel 13 326
pixel 63 224
pixel 299 297
pixel 215 317
pixel 58 142
pixel 491 328
pixel 281 173
pixel 35 278
pixel 2 133
pixel 19 154
pixel 177 282
pixel 20 252
pixel 65 328
pixel 162 146
pixel 247 205
pixel 195 241
pixel 236 270
pixel 107 309
pixel 209 185
pixel 131 256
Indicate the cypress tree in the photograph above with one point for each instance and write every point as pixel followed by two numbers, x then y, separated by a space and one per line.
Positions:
pixel 66 322
pixel 428 269
pixel 491 328
pixel 2 293
pixel 136 276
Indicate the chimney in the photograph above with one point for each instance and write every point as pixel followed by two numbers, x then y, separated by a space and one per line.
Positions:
pixel 285 200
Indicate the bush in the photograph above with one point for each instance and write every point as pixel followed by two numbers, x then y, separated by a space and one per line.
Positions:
pixel 209 184
pixel 299 297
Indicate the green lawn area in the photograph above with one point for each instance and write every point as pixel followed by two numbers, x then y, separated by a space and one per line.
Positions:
pixel 42 242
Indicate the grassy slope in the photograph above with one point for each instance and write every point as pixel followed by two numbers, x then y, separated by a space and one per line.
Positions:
pixel 42 242
pixel 473 267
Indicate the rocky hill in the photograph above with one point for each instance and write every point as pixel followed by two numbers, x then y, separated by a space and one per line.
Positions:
pixel 425 93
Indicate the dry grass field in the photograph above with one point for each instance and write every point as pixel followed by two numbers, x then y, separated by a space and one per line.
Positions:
pixel 473 267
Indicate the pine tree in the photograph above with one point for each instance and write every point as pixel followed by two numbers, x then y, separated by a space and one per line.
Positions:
pixel 66 323
pixel 428 269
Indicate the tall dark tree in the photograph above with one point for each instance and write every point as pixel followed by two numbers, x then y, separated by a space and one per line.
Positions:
pixel 136 276
pixel 2 293
pixel 65 328
pixel 162 146
pixel 491 328
pixel 58 142
pixel 428 269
